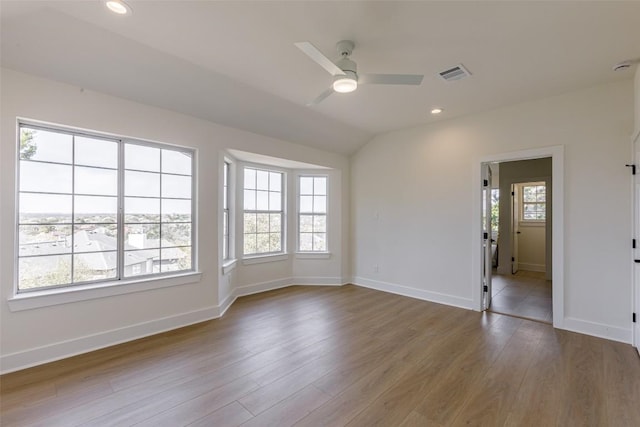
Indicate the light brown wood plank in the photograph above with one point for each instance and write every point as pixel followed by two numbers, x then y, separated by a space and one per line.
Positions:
pixel 335 356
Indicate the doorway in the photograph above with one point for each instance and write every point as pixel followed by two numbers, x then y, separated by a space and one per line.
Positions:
pixel 529 189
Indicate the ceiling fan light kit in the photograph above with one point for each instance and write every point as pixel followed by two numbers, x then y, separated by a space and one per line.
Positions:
pixel 345 71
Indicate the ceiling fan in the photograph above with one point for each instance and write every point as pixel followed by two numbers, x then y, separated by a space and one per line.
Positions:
pixel 345 71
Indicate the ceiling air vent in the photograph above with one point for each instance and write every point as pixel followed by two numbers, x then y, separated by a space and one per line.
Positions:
pixel 456 73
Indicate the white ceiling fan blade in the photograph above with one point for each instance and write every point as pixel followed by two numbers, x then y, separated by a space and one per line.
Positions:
pixel 391 79
pixel 315 54
pixel 320 97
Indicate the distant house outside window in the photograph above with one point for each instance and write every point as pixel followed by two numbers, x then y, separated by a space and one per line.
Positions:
pixel 95 208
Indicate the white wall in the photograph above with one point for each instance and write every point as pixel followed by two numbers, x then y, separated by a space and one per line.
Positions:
pixel 412 193
pixel 637 99
pixel 36 335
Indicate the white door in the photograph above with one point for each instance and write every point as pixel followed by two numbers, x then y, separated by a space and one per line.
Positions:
pixel 636 252
pixel 486 236
pixel 515 226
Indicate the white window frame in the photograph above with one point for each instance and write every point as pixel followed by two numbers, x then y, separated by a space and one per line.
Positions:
pixel 39 295
pixel 251 258
pixel 226 210
pixel 299 214
pixel 523 203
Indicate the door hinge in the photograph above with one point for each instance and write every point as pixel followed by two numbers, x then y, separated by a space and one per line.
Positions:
pixel 485 182
pixel 513 193
pixel 633 168
pixel 486 289
pixel 513 259
pixel 485 235
pixel 633 243
pixel 633 317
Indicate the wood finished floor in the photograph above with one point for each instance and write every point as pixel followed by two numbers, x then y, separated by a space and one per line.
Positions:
pixel 525 294
pixel 321 356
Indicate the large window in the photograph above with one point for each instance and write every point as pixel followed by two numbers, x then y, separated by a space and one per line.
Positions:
pixel 534 202
pixel 312 217
pixel 94 208
pixel 263 211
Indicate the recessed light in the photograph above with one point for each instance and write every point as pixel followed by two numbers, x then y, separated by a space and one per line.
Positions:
pixel 118 6
pixel 436 111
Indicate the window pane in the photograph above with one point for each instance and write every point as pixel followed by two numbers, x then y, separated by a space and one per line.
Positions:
pixel 175 259
pixel 306 204
pixel 44 208
pixel 45 177
pixel 275 201
pixel 262 180
pixel 46 146
pixel 275 242
pixel 225 247
pixel 306 242
pixel 44 239
pixel 250 243
pixel 95 209
pixel 320 204
pixel 176 210
pixel 250 223
pixel 225 174
pixel 306 223
pixel 320 186
pixel 141 236
pixel 141 210
pixel 249 200
pixel 176 186
pixel 275 222
pixel 38 272
pixel 141 158
pixel 137 263
pixel 96 152
pixel 319 242
pixel 141 184
pixel 263 243
pixel 319 223
pixel 262 223
pixel 176 162
pixel 95 237
pixel 250 178
pixel 306 185
pixel 262 200
pixel 96 181
pixel 275 181
pixel 540 197
pixel 176 235
pixel 94 266
pixel 225 223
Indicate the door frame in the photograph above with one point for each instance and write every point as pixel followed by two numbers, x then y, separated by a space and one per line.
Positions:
pixel 557 233
pixel 635 253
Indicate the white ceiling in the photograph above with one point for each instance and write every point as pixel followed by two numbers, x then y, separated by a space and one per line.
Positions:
pixel 234 62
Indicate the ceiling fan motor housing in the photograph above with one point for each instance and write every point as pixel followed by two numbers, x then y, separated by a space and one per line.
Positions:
pixel 345 64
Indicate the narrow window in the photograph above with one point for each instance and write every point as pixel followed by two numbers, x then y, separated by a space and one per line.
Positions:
pixel 312 214
pixel 226 253
pixel 263 211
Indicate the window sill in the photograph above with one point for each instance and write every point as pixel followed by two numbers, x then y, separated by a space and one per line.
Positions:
pixel 229 265
pixel 313 255
pixel 265 258
pixel 31 300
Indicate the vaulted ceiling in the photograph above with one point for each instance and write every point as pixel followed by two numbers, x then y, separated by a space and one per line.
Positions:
pixel 235 63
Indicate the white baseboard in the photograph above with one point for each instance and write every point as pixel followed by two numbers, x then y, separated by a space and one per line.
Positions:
pixel 600 330
pixel 64 349
pixel 414 293
pixel 532 267
pixel 318 281
pixel 255 288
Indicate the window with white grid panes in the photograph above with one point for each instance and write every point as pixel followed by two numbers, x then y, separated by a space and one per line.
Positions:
pixel 263 211
pixel 94 208
pixel 312 214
